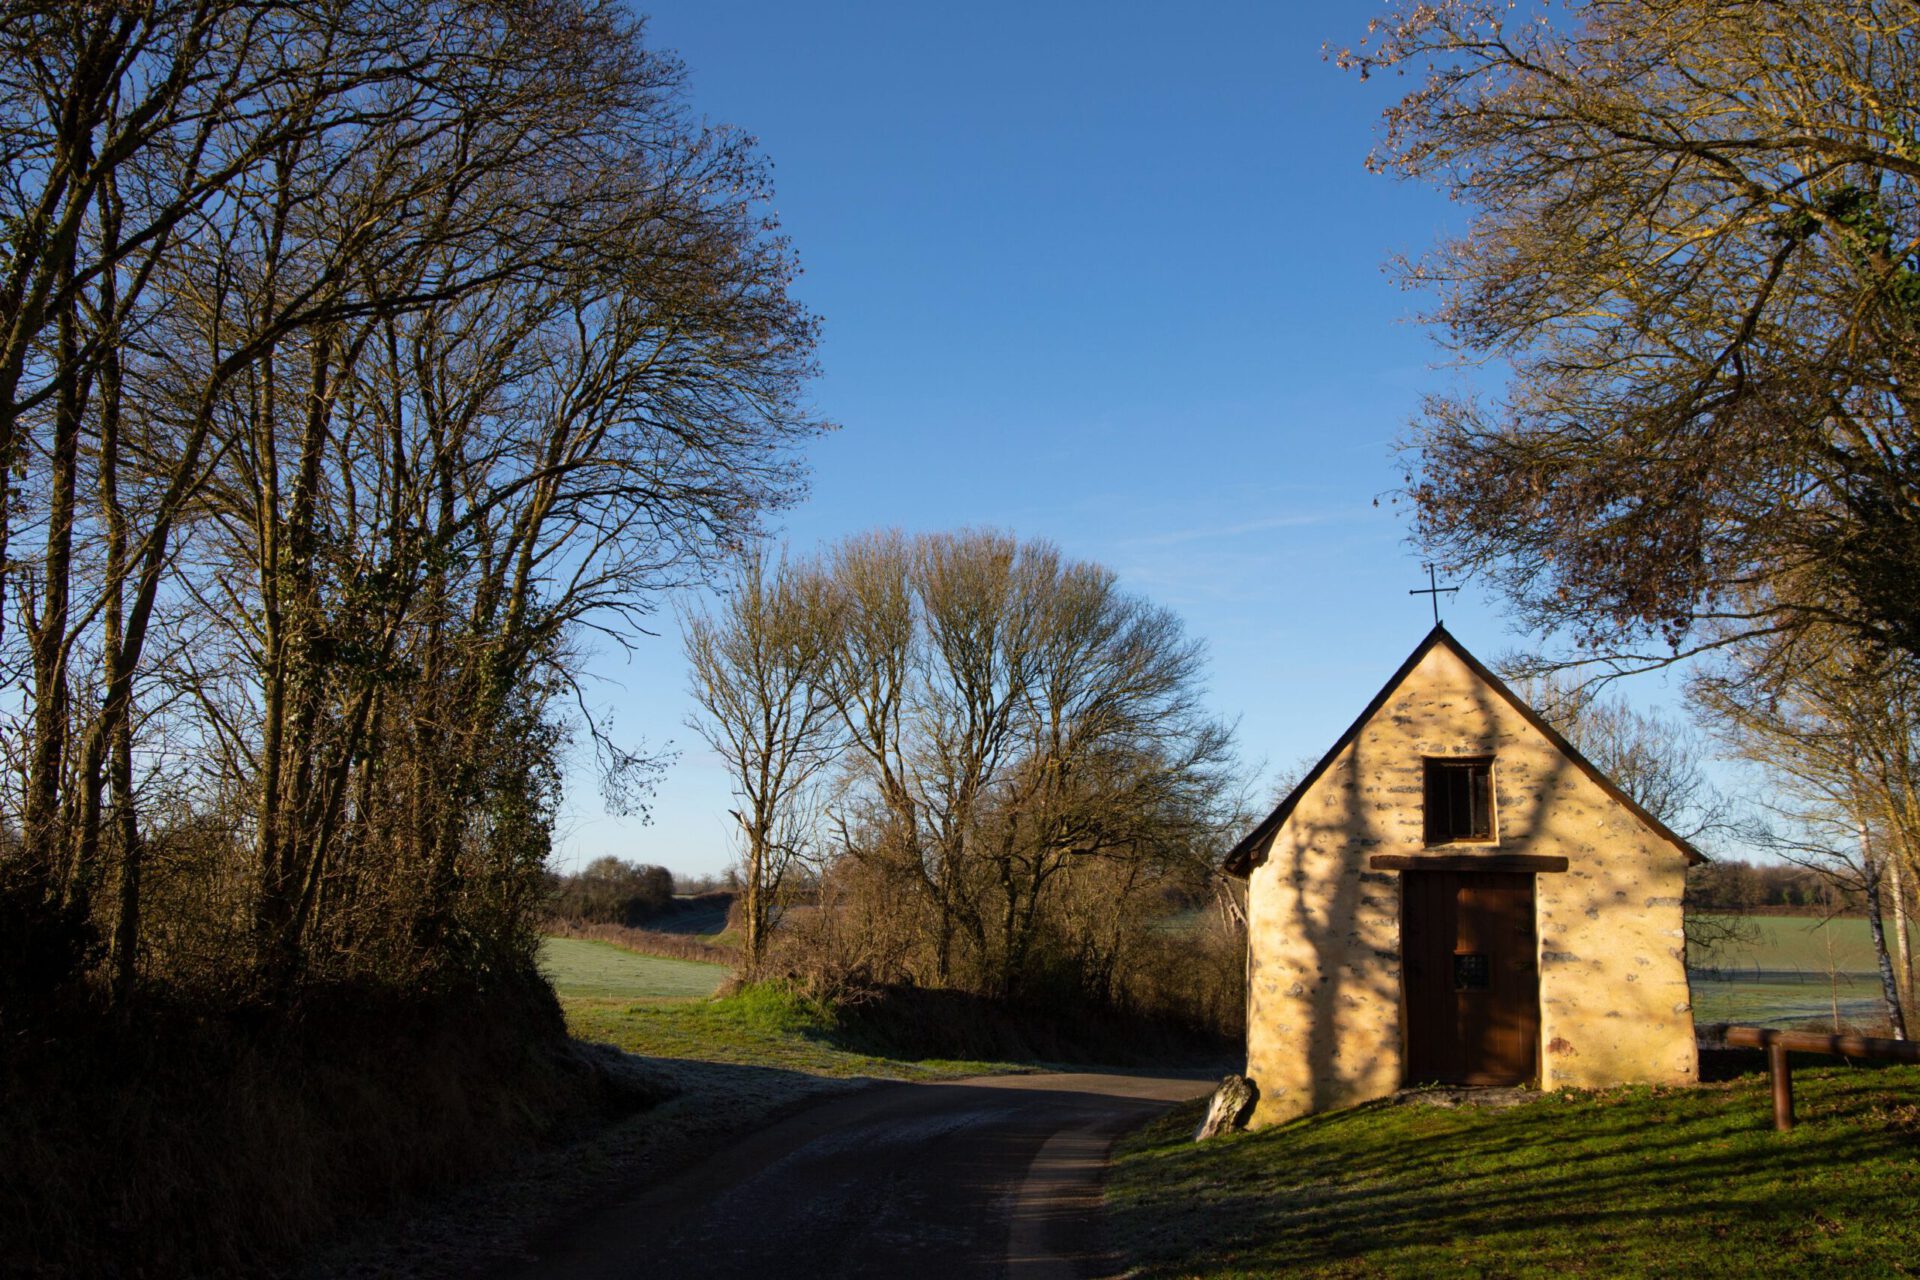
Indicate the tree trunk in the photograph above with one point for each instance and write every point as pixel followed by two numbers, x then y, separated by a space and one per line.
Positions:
pixel 117 715
pixel 48 637
pixel 1898 890
pixel 126 932
pixel 755 941
pixel 1888 988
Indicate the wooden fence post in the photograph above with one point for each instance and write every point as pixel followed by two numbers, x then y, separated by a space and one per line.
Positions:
pixel 1776 1043
pixel 1782 1077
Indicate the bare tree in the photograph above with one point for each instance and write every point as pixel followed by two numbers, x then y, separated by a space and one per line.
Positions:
pixel 758 668
pixel 1027 751
pixel 1117 763
pixel 872 680
pixel 404 344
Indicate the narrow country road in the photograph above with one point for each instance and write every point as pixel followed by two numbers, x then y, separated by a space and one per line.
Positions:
pixel 976 1179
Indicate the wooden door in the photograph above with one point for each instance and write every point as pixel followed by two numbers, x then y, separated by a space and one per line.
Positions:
pixel 1470 981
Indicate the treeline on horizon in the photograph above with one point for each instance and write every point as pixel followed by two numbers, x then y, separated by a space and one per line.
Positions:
pixel 1734 886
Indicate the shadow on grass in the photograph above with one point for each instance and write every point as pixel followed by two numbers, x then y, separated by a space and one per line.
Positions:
pixel 1628 1182
pixel 1717 1065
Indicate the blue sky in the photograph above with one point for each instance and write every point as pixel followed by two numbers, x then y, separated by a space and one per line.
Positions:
pixel 1106 275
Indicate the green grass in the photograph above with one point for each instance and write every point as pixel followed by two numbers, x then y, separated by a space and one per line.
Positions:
pixel 1799 943
pixel 579 969
pixel 1789 1003
pixel 661 1008
pixel 759 1026
pixel 1631 1182
pixel 1786 977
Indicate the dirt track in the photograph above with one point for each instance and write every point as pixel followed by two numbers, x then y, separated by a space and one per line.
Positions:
pixel 985 1178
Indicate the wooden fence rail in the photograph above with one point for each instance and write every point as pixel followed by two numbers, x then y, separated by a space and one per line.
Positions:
pixel 1779 1043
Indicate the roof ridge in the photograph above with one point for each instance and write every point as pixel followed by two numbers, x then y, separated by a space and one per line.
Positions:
pixel 1239 860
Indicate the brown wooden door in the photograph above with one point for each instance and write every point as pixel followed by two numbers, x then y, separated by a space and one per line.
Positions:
pixel 1470 980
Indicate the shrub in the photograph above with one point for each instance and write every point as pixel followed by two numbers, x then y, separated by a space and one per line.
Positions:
pixel 181 1144
pixel 610 891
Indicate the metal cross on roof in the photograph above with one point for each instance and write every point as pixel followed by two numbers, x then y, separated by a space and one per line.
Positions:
pixel 1433 589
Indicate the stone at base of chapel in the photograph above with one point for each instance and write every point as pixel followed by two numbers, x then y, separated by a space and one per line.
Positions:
pixel 1229 1108
pixel 1455 895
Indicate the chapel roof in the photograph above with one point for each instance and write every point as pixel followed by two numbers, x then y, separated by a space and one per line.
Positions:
pixel 1240 859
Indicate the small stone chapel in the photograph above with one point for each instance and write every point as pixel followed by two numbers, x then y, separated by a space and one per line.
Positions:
pixel 1455 895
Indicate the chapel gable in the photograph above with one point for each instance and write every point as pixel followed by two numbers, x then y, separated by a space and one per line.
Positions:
pixel 1454 893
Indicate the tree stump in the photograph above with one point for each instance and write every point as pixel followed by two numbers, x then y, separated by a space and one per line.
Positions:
pixel 1231 1105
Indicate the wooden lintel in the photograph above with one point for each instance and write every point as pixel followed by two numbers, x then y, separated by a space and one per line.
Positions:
pixel 1466 862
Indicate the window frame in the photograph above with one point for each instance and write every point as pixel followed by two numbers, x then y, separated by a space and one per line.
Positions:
pixel 1432 832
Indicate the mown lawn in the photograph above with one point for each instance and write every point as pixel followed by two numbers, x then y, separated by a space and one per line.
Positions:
pixel 1631 1182
pixel 580 968
pixel 761 1026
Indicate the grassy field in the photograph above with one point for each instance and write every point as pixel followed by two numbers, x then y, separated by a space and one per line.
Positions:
pixel 1786 976
pixel 580 969
pixel 1799 944
pixel 1790 1004
pixel 758 1027
pixel 1687 1182
pixel 661 1008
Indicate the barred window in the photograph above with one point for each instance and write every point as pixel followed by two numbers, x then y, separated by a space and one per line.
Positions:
pixel 1459 803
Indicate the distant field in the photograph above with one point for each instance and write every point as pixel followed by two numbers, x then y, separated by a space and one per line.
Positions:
pixel 1789 1004
pixel 659 1008
pixel 1799 944
pixel 1787 975
pixel 702 914
pixel 761 1026
pixel 580 969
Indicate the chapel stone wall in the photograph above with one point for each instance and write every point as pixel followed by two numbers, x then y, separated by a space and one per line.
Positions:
pixel 1324 1001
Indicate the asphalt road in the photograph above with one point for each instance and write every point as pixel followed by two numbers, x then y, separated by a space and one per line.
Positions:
pixel 983 1179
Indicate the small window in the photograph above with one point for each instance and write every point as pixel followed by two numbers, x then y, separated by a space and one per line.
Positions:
pixel 1459 799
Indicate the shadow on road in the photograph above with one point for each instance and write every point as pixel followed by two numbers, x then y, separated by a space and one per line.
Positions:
pixel 988 1177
